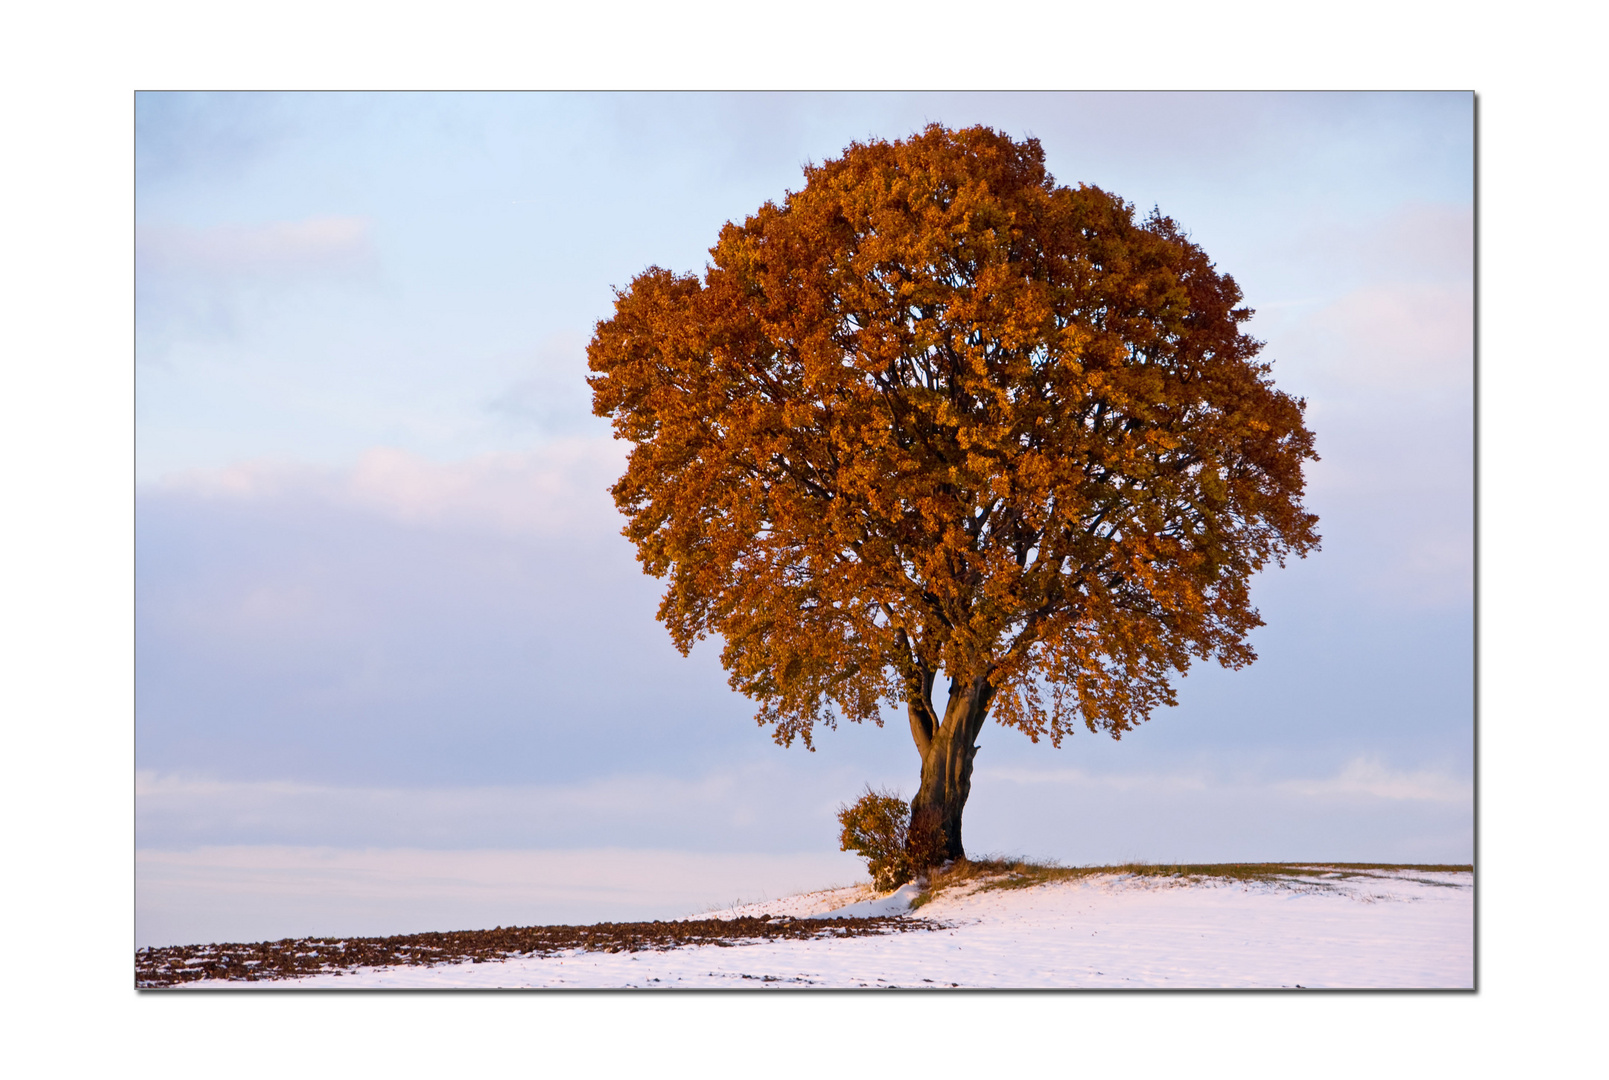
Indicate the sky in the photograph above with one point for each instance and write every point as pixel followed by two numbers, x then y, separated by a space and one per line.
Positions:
pixel 381 601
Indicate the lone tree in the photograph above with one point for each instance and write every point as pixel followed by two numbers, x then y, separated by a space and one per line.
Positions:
pixel 935 414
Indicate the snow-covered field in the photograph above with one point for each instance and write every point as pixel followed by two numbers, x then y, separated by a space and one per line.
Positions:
pixel 1377 929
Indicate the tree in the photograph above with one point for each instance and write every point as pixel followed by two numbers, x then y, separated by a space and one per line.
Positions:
pixel 936 415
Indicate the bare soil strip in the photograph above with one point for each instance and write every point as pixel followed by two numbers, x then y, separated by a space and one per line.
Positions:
pixel 291 957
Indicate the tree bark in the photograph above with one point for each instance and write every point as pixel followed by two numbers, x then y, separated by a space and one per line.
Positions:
pixel 947 766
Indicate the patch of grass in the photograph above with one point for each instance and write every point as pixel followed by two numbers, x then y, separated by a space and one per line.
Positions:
pixel 1002 873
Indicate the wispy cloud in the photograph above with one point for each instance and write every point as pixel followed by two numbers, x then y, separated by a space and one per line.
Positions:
pixel 316 243
pixel 1419 241
pixel 1383 307
pixel 554 397
pixel 746 807
pixel 1371 778
pixel 407 620
pixel 1359 778
pixel 1382 347
pixel 1413 242
pixel 1179 781
pixel 1368 812
pixel 550 491
pixel 1396 338
pixel 215 284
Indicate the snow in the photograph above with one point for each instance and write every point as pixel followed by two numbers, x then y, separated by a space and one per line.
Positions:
pixel 1398 929
pixel 810 905
pixel 895 903
pixel 851 902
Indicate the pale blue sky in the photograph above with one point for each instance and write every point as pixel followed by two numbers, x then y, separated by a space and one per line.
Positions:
pixel 377 570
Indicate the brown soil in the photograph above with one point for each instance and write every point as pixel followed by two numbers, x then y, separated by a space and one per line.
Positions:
pixel 292 957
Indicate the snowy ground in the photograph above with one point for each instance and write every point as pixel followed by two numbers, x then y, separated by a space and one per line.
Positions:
pixel 1397 929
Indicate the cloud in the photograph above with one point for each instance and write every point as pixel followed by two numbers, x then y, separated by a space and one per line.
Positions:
pixel 1380 307
pixel 1431 570
pixel 1395 338
pixel 1371 778
pixel 779 805
pixel 786 804
pixel 407 621
pixel 280 247
pixel 1385 356
pixel 404 619
pixel 221 282
pixel 554 398
pixel 1360 777
pixel 1435 239
pixel 1396 512
pixel 1367 813
pixel 1416 241
pixel 551 491
pixel 1124 782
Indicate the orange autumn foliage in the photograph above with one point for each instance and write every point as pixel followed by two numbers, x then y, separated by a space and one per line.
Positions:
pixel 936 413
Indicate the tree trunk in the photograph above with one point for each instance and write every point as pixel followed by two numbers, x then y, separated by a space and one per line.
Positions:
pixel 947 772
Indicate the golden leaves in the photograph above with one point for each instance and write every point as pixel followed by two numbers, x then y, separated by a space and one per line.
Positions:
pixel 935 412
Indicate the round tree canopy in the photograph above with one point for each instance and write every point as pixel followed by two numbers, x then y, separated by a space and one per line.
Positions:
pixel 935 412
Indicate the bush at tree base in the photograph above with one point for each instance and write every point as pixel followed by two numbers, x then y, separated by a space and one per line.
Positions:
pixel 879 828
pixel 874 827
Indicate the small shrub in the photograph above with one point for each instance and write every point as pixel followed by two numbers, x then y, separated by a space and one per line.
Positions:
pixel 875 828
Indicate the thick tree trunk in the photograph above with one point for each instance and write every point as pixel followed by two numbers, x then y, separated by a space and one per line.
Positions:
pixel 947 768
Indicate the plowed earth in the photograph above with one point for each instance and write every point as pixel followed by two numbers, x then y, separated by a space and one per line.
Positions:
pixel 291 957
